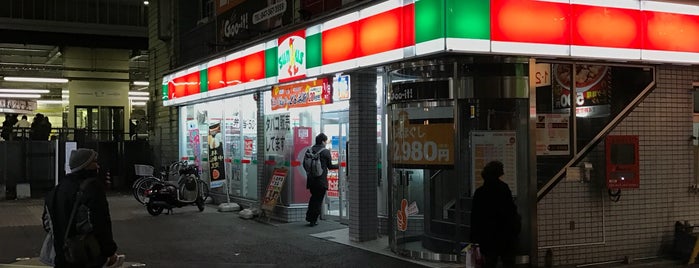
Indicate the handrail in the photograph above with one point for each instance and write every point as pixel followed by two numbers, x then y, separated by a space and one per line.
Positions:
pixel 597 139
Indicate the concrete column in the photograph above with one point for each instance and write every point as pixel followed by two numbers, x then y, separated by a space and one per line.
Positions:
pixel 363 173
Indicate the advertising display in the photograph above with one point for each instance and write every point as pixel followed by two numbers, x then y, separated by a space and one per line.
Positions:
pixel 216 159
pixel 592 89
pixel 552 134
pixel 303 139
pixel 277 127
pixel 419 145
pixel 274 188
pixel 489 146
pixel 304 94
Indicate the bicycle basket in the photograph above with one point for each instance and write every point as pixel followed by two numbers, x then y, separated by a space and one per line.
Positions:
pixel 143 170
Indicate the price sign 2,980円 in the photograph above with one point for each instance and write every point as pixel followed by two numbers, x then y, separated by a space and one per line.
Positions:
pixel 430 144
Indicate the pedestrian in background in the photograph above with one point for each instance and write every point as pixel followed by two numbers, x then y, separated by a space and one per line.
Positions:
pixel 495 223
pixel 59 203
pixel 318 185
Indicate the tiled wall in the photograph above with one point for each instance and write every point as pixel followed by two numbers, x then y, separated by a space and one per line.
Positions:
pixel 580 224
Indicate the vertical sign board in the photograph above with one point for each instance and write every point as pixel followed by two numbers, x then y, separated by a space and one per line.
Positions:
pixel 274 188
pixel 216 162
pixel 303 139
pixel 488 146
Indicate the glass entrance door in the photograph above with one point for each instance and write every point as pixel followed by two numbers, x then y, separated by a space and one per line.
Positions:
pixel 336 126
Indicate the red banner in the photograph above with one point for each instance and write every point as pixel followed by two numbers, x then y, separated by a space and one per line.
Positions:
pixel 304 94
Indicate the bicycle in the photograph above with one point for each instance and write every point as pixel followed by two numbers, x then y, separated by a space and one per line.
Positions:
pixel 144 182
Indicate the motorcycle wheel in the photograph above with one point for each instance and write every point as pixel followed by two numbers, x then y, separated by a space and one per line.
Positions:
pixel 200 204
pixel 154 210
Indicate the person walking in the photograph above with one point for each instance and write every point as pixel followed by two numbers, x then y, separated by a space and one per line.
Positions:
pixel 59 203
pixel 318 185
pixel 495 223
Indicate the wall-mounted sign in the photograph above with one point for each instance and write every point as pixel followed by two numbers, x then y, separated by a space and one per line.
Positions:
pixel 423 90
pixel 17 106
pixel 489 146
pixel 291 56
pixel 592 87
pixel 341 87
pixel 552 134
pixel 304 94
pixel 252 18
pixel 428 143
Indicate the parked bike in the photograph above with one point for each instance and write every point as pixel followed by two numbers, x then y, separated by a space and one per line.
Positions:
pixel 188 190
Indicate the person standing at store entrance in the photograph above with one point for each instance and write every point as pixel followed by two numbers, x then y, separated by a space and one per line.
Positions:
pixel 495 223
pixel 318 185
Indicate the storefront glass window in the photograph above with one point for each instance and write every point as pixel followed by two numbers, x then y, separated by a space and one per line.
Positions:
pixel 220 138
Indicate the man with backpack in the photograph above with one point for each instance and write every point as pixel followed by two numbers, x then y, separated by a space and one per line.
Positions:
pixel 79 205
pixel 317 179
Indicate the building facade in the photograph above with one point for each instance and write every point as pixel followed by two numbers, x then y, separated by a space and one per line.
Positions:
pixel 416 96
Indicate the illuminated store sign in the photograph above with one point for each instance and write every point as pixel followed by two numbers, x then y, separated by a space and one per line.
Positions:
pixel 291 55
pixel 304 94
pixel 391 31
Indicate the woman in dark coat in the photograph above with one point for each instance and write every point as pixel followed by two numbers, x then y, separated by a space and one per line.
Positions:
pixel 495 223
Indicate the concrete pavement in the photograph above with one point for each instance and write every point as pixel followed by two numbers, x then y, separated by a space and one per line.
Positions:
pixel 189 238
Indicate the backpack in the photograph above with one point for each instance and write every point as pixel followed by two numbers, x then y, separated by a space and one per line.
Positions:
pixel 311 163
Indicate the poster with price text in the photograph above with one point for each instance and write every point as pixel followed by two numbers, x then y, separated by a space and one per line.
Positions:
pixel 488 146
pixel 424 144
pixel 274 188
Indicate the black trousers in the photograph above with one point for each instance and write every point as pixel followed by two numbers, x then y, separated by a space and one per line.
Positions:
pixel 491 260
pixel 315 203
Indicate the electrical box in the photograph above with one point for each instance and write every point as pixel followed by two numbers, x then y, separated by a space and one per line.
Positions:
pixel 622 162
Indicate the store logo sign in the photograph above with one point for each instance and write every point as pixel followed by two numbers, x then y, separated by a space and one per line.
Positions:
pixel 292 56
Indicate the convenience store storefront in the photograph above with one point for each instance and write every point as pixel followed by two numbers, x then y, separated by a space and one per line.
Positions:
pixel 417 96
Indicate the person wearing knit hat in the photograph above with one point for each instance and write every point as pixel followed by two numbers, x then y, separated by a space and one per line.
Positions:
pixel 83 175
pixel 81 158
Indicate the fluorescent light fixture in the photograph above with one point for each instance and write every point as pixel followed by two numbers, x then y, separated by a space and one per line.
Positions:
pixel 139 98
pixel 35 79
pixel 65 91
pixel 140 83
pixel 146 3
pixel 20 96
pixel 51 102
pixel 24 91
pixel 138 103
pixel 138 93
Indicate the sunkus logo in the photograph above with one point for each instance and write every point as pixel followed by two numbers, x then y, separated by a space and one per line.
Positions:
pixel 292 57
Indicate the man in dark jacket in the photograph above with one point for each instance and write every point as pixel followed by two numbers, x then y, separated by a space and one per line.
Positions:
pixel 495 223
pixel 318 185
pixel 83 166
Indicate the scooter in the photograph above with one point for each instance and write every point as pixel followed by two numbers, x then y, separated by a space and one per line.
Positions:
pixel 168 195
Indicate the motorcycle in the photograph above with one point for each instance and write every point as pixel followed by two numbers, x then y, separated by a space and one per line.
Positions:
pixel 188 190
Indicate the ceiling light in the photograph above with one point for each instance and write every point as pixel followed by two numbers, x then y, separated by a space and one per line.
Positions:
pixel 138 103
pixel 35 79
pixel 51 102
pixel 65 91
pixel 146 3
pixel 20 96
pixel 140 83
pixel 137 93
pixel 139 98
pixel 27 91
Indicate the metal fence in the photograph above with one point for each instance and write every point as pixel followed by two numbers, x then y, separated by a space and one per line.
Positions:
pixel 40 163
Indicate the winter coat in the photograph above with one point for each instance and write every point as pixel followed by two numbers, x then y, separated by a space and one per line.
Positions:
pixel 495 223
pixel 95 199
pixel 326 163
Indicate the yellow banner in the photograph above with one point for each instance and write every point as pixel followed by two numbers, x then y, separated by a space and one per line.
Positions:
pixel 423 144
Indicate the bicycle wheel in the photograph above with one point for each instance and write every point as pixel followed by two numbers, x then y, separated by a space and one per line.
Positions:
pixel 139 192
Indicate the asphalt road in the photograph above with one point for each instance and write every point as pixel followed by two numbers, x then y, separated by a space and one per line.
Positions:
pixel 189 238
